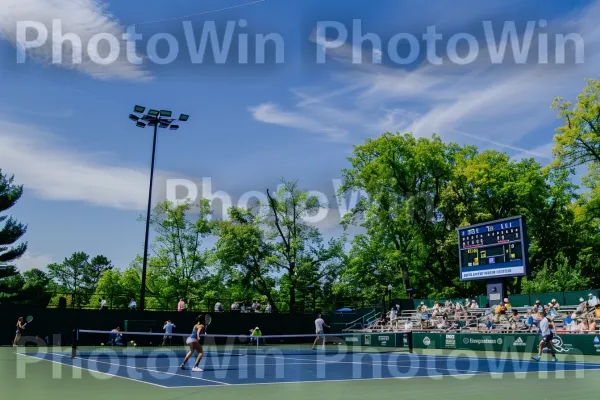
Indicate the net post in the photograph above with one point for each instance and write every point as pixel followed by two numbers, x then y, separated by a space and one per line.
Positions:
pixel 74 338
pixel 409 339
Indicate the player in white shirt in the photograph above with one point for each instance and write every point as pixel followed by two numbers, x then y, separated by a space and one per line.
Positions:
pixel 547 336
pixel 319 324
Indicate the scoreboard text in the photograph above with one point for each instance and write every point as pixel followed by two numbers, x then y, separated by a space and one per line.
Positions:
pixel 493 249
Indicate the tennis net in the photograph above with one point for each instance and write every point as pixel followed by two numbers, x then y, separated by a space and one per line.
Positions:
pixel 88 343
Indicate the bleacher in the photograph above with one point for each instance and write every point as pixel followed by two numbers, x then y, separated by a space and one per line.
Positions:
pixel 458 317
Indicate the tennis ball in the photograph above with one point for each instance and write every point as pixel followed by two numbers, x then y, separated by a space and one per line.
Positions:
pixel 101 344
pixel 134 345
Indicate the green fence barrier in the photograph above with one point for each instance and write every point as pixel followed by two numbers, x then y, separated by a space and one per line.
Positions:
pixel 510 342
pixel 398 340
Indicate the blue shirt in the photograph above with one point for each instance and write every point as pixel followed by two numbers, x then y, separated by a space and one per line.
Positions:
pixel 168 328
pixel 194 334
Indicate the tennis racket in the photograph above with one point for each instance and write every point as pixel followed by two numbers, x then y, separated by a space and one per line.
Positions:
pixel 207 321
pixel 28 320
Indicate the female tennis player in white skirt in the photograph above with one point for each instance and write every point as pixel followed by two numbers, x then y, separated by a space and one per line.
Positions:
pixel 194 343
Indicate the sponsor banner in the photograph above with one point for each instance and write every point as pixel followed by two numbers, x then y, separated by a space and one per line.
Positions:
pixel 527 342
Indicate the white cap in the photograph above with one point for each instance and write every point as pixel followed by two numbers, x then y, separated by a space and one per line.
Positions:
pixel 581 299
pixel 257 328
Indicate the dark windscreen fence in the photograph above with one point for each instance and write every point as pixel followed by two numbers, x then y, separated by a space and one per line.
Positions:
pixel 90 343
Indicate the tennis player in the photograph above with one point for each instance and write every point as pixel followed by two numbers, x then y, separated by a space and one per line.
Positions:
pixel 547 336
pixel 194 343
pixel 19 333
pixel 319 324
pixel 168 328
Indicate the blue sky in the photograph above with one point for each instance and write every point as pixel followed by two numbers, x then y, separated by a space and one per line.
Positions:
pixel 65 135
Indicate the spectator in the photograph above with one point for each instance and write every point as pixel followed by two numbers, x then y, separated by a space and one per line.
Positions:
pixel 422 307
pixel 555 304
pixel 514 319
pixel 500 312
pixel 567 323
pixel 435 309
pixel 242 307
pixel 256 306
pixel 218 307
pixel 591 324
pixel 181 306
pixel 474 305
pixel 536 307
pixel 393 317
pixel 582 306
pixel 552 311
pixel 103 305
pixel 592 301
pixel 168 328
pixel 583 326
pixel 235 306
pixel 132 304
pixel 507 304
pixel 597 310
pixel 268 308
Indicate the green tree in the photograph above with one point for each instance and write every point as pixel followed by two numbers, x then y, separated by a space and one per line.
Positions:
pixel 11 231
pixel 243 252
pixel 298 248
pixel 179 260
pixel 558 275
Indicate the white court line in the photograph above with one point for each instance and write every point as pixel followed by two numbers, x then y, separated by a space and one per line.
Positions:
pixel 147 369
pixel 90 370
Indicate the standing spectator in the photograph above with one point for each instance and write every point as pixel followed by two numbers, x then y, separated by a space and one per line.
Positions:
pixel 268 308
pixel 181 306
pixel 132 304
pixel 393 318
pixel 218 307
pixel 256 306
pixel 103 305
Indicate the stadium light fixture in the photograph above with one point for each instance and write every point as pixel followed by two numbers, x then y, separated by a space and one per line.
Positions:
pixel 157 119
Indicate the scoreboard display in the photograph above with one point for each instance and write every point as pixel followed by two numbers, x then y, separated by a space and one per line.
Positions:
pixel 495 249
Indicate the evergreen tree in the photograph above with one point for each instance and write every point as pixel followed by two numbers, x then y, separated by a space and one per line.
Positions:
pixel 10 230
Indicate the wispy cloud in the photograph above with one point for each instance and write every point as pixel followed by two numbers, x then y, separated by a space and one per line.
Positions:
pixel 57 172
pixel 497 106
pixel 271 114
pixel 85 18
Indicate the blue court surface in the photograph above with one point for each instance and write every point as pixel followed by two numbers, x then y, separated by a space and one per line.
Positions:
pixel 226 370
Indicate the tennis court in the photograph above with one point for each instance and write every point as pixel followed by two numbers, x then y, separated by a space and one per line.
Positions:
pixel 290 368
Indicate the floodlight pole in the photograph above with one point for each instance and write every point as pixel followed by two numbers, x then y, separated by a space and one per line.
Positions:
pixel 148 214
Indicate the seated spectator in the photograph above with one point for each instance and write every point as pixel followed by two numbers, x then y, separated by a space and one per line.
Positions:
pixel 592 301
pixel 474 305
pixel 529 318
pixel 422 307
pixel 132 304
pixel 268 308
pixel 256 306
pixel 591 324
pixel 569 322
pixel 536 307
pixel 218 307
pixel 597 310
pixel 514 320
pixel 235 306
pixel 500 311
pixel 583 326
pixel 552 311
pixel 555 304
pixel 435 310
pixel 507 304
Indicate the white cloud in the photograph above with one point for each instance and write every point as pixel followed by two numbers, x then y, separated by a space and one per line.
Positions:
pixel 85 18
pixel 272 114
pixel 494 106
pixel 59 173
pixel 30 261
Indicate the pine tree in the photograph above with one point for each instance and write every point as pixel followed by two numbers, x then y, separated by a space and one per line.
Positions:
pixel 10 229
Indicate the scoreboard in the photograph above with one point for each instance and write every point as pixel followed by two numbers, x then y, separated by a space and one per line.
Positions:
pixel 495 249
